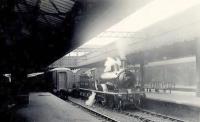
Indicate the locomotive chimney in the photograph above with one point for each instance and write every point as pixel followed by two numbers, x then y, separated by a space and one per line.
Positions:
pixel 123 63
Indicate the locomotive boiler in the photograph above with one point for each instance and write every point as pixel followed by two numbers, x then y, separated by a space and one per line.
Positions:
pixel 122 79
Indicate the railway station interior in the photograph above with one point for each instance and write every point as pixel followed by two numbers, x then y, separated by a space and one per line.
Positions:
pixel 100 60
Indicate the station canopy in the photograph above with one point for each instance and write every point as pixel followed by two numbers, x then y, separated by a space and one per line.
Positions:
pixel 131 29
pixel 34 33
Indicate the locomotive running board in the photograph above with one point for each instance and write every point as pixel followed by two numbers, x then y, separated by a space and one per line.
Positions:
pixel 111 93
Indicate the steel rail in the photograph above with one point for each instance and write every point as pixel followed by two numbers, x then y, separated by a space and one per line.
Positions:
pixel 141 118
pixel 173 119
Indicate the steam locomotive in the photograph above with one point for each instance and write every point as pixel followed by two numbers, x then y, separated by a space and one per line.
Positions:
pixel 115 88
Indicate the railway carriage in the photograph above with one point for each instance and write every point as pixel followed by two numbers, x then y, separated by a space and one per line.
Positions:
pixel 60 81
pixel 62 78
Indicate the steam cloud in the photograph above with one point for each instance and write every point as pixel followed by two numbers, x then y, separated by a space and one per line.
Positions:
pixel 91 99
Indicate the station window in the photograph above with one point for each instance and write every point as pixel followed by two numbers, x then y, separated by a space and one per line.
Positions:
pixel 73 53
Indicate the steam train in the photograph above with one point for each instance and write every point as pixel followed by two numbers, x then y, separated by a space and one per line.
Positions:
pixel 116 87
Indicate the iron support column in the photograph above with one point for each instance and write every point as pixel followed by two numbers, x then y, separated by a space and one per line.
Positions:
pixel 198 67
pixel 142 75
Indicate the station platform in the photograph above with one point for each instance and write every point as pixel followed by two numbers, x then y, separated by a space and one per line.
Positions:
pixel 177 97
pixel 45 107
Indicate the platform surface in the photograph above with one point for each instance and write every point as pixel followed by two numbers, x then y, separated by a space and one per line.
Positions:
pixel 184 98
pixel 45 107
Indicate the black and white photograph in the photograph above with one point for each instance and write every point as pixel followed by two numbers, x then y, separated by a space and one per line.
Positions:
pixel 99 60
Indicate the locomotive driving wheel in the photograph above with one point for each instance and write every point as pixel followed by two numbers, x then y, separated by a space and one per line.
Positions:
pixel 120 105
pixel 110 101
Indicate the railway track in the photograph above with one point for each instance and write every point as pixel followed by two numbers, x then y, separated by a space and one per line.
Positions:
pixel 173 119
pixel 96 113
pixel 147 116
pixel 142 119
pixel 140 115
